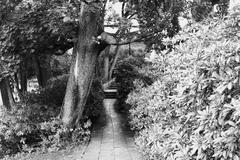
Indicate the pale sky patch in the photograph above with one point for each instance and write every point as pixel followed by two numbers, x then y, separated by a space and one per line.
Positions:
pixel 182 21
pixel 116 8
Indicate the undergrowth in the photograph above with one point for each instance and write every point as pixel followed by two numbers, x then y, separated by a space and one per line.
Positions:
pixel 192 110
pixel 34 124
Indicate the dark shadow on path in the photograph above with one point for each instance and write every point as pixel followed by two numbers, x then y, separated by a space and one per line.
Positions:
pixel 122 118
pixel 111 137
pixel 124 121
pixel 100 121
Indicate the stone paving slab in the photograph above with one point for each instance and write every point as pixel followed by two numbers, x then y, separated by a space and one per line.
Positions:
pixel 112 141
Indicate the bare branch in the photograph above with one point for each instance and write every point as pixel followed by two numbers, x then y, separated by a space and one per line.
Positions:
pixel 116 26
pixel 107 38
pixel 128 41
pixel 133 14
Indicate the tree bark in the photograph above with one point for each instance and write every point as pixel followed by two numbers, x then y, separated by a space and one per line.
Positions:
pixel 23 76
pixel 6 94
pixel 16 88
pixel 43 69
pixel 84 60
pixel 106 64
pixel 114 61
pixel 17 82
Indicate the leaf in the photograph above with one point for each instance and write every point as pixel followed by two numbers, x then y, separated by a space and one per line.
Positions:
pixel 230 86
pixel 237 58
pixel 231 123
pixel 235 81
pixel 237 68
pixel 215 75
pixel 66 19
pixel 236 157
pixel 221 89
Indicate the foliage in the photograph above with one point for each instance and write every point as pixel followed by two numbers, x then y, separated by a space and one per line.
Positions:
pixel 157 19
pixel 200 10
pixel 36 24
pixel 33 124
pixel 35 28
pixel 126 72
pixel 60 65
pixel 53 95
pixel 34 127
pixel 192 110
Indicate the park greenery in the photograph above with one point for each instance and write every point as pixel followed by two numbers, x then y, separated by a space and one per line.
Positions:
pixel 183 104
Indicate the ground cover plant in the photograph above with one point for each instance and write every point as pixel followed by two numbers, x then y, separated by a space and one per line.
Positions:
pixel 33 125
pixel 192 110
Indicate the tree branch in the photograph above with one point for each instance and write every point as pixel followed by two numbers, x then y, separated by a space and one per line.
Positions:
pixel 123 6
pixel 111 40
pixel 131 15
pixel 116 26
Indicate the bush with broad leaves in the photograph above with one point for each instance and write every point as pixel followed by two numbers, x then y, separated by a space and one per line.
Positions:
pixel 193 110
pixel 127 70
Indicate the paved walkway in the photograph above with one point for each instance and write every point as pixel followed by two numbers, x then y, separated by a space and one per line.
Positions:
pixel 111 138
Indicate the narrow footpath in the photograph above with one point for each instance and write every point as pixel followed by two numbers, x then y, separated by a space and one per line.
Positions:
pixel 111 138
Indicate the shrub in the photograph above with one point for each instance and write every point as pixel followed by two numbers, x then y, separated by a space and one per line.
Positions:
pixel 28 128
pixel 53 95
pixel 192 110
pixel 126 71
pixel 33 124
pixel 200 10
pixel 148 104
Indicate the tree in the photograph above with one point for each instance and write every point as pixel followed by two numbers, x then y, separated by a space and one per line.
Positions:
pixel 157 19
pixel 43 69
pixel 6 97
pixel 40 28
pixel 31 33
pixel 91 41
pixel 85 54
pixel 201 9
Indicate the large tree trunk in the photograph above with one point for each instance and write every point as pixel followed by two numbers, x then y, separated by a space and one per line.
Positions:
pixel 82 70
pixel 106 68
pixel 43 69
pixel 23 76
pixel 106 65
pixel 6 97
pixel 16 88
